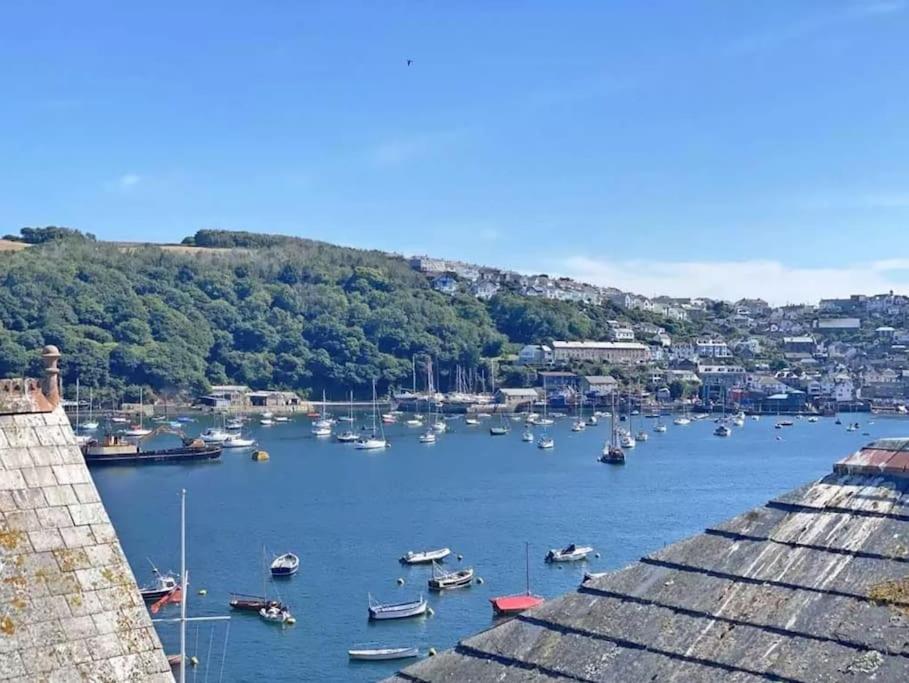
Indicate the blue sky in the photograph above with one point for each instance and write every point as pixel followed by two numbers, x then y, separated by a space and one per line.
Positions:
pixel 720 148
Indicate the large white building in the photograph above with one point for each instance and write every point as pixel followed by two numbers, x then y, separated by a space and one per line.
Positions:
pixel 607 352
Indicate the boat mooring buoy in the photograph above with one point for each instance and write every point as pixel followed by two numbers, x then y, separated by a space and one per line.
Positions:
pixel 597 555
pixel 432 652
pixel 430 611
pixel 479 579
pixel 194 660
pixel 291 620
pixel 203 591
pixel 460 557
pixel 400 581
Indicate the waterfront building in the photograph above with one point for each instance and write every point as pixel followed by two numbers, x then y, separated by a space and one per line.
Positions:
pixel 535 354
pixel 557 380
pixel 606 352
pixel 598 385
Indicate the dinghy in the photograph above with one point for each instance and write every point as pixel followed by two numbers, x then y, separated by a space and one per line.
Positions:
pixel 285 565
pixel 399 610
pixel 383 653
pixel 276 615
pixel 425 556
pixel 570 553
pixel 442 580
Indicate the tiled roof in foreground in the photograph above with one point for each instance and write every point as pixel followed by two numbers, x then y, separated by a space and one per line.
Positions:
pixel 813 586
pixel 70 609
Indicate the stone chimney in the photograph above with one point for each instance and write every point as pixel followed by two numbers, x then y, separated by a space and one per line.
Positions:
pixel 51 357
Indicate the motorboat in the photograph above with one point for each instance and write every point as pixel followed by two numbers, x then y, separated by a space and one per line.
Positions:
pixel 399 610
pixel 579 426
pixel 381 654
pixel 214 435
pixel 276 615
pixel 546 442
pixel 389 418
pixel 498 430
pixel 237 441
pixel 570 553
pixel 471 421
pixel 234 424
pixel 266 421
pixel 527 436
pixel 440 426
pixel 346 437
pixel 163 584
pixel 738 421
pixel 642 436
pixel 627 441
pixel 682 421
pixel 593 421
pixel 285 565
pixel 660 429
pixel 282 418
pixel 813 418
pixel 428 436
pixel 425 556
pixel 442 580
pixel 321 430
pixel 413 422
pixel 268 415
pixel 89 426
pixel 722 430
pixel 136 431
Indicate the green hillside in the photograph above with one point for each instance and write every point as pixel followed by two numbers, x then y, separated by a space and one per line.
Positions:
pixel 263 310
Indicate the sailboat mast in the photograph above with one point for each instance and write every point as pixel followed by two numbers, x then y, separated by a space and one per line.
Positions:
pixel 77 402
pixel 183 585
pixel 527 566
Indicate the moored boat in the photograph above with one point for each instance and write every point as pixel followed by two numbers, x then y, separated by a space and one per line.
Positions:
pixel 546 442
pixel 425 556
pixel 570 553
pixel 442 580
pixel 428 436
pixel 237 441
pixel 252 603
pixel 505 605
pixel 383 653
pixel 114 449
pixel 399 610
pixel 276 614
pixel 164 584
pixel 527 436
pixel 346 437
pixel 285 565
pixel 722 430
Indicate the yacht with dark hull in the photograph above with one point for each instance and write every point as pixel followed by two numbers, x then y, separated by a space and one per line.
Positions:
pixel 114 449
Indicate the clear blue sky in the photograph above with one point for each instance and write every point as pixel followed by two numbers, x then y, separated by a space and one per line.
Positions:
pixel 631 141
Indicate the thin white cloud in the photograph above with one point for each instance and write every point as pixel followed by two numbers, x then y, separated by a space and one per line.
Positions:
pixel 397 151
pixel 774 281
pixel 128 180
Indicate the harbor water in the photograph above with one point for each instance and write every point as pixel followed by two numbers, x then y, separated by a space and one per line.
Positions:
pixel 351 514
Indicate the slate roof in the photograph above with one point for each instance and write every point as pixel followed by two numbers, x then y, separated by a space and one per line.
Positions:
pixel 813 586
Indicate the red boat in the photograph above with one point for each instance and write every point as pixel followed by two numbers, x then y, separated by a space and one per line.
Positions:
pixel 515 604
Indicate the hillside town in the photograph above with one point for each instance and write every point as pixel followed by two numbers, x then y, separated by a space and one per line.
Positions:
pixel 841 354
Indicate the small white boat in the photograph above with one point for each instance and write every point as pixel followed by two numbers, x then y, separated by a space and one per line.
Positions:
pixel 237 441
pixel 399 610
pixel 235 423
pixel 425 556
pixel 440 427
pixel 268 415
pixel 527 436
pixel 627 441
pixel 389 418
pixel 570 553
pixel 722 430
pixel 414 422
pixel 442 580
pixel 214 435
pixel 812 419
pixel 428 437
pixel 592 576
pixel 119 420
pixel 321 430
pixel 738 421
pixel 755 417
pixel 660 429
pixel 276 615
pixel 471 421
pixel 266 422
pixel 544 421
pixel 346 437
pixel 593 421
pixel 135 431
pixel 285 565
pixel 88 426
pixel 579 426
pixel 642 436
pixel 381 654
pixel 371 443
pixel 681 421
pixel 321 423
pixel 546 442
pixel 282 418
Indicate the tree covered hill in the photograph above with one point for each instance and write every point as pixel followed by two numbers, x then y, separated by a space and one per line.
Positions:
pixel 262 310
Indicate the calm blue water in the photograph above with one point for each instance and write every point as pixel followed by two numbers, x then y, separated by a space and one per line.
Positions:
pixel 350 514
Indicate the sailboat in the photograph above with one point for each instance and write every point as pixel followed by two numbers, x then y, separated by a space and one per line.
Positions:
pixel 347 436
pixel 139 429
pixel 612 452
pixel 374 441
pixel 579 424
pixel 254 603
pixel 322 426
pixel 500 429
pixel 505 605
pixel 91 424
pixel 545 442
pixel 723 428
